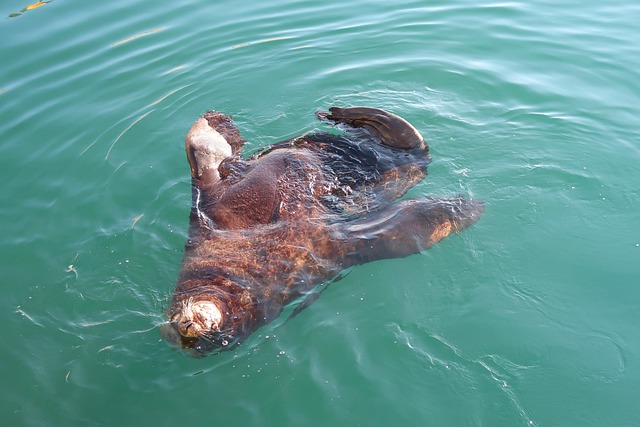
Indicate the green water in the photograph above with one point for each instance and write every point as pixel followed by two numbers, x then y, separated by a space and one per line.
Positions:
pixel 530 318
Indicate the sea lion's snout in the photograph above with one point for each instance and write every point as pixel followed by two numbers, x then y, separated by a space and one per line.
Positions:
pixel 196 318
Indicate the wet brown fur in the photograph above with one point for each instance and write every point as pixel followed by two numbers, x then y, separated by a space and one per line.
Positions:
pixel 276 225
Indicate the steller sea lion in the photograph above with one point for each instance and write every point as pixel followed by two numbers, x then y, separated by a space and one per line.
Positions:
pixel 266 230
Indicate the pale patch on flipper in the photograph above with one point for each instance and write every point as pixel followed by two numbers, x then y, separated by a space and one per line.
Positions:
pixel 440 231
pixel 206 149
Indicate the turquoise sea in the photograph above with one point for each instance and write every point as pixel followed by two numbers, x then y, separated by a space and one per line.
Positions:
pixel 529 318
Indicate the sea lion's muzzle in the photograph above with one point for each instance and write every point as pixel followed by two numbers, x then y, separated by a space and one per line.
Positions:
pixel 196 318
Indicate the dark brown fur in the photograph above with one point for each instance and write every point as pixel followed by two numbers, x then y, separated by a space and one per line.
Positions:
pixel 274 226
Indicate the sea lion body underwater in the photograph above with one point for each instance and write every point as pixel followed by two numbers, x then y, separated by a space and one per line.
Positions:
pixel 267 230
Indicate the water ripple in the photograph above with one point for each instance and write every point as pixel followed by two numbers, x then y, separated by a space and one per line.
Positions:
pixel 531 106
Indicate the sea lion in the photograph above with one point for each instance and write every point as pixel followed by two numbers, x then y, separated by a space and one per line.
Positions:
pixel 266 230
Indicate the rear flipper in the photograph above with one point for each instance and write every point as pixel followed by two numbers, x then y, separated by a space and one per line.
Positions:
pixel 393 153
pixel 393 131
pixel 407 227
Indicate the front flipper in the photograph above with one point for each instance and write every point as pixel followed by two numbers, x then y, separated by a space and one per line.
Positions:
pixel 407 227
pixel 315 294
pixel 212 138
pixel 392 130
pixel 308 300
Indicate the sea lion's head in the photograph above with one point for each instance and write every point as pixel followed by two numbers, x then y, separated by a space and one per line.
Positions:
pixel 197 324
pixel 208 314
pixel 195 318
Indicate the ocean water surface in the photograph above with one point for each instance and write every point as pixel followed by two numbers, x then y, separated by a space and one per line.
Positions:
pixel 529 318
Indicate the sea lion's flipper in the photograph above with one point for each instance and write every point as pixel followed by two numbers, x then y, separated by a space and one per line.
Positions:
pixel 315 294
pixel 393 153
pixel 392 130
pixel 212 138
pixel 407 227
pixel 306 302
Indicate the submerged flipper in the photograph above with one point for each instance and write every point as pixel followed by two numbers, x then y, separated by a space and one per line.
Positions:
pixel 407 227
pixel 309 299
pixel 315 294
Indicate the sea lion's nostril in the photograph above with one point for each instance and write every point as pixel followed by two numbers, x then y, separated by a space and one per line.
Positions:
pixel 184 324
